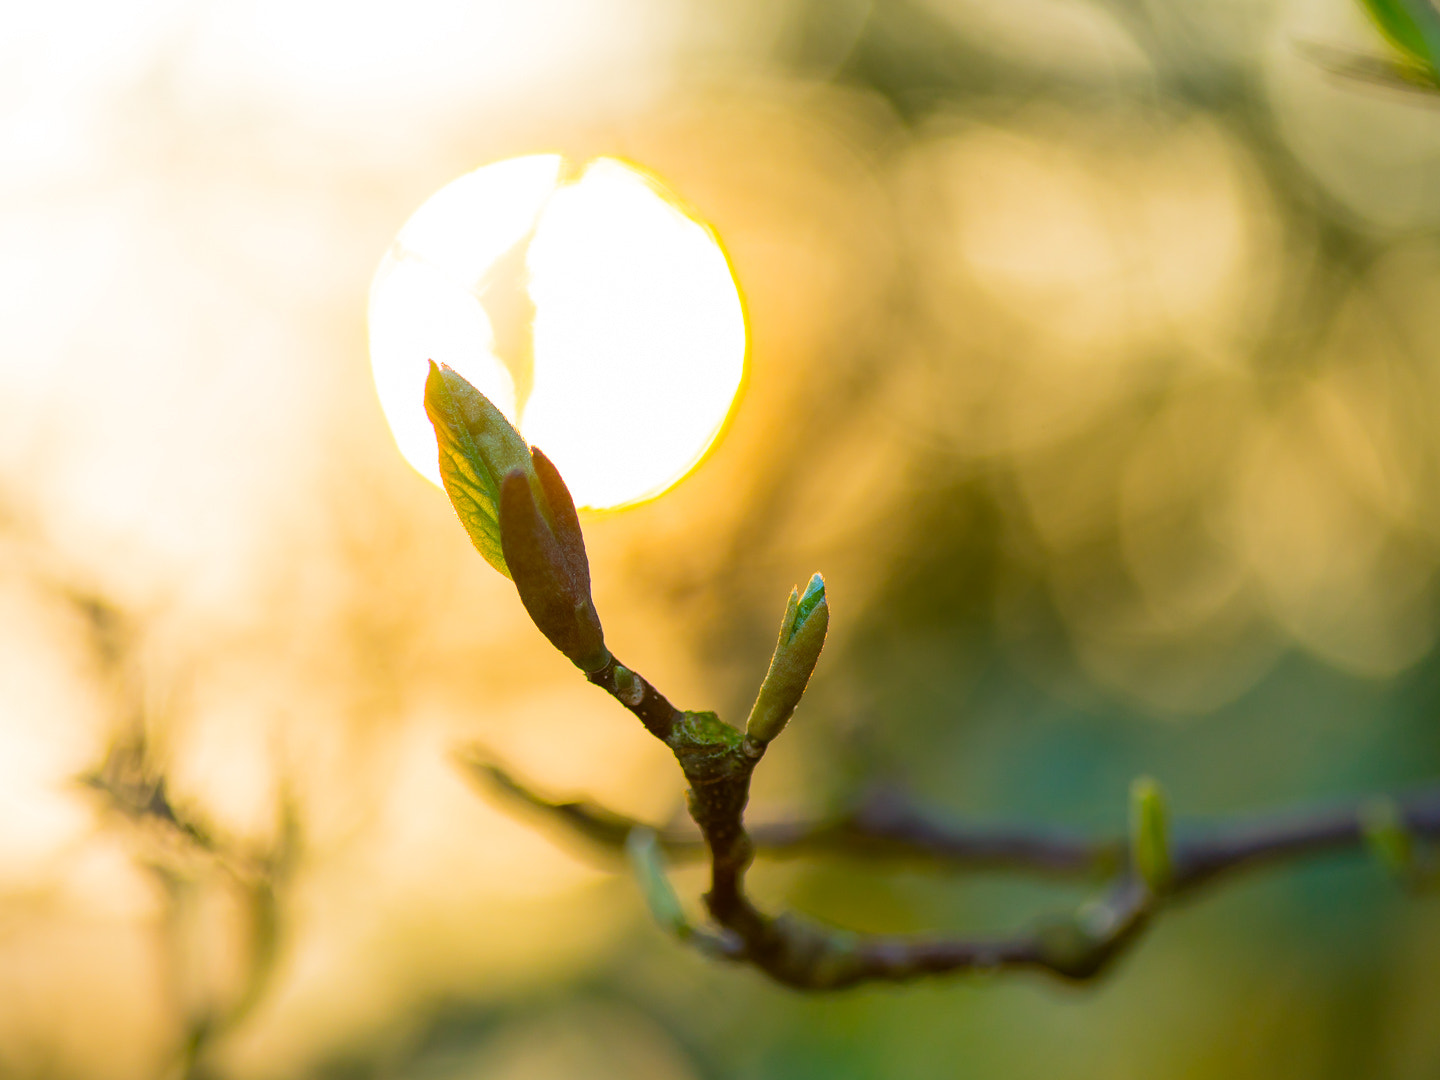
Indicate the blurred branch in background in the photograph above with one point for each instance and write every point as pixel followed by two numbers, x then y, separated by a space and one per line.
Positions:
pixel 887 825
pixel 195 864
pixel 883 824
pixel 191 860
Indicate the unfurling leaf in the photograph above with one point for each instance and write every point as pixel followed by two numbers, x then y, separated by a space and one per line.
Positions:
pixel 478 449
pixel 802 635
pixel 1150 835
pixel 518 513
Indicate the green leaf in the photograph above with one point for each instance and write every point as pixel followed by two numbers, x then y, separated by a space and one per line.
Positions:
pixel 1412 26
pixel 1395 23
pixel 478 448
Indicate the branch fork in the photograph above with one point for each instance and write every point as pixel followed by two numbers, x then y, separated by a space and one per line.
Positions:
pixel 521 518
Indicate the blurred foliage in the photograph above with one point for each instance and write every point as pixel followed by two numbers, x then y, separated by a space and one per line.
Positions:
pixel 1094 361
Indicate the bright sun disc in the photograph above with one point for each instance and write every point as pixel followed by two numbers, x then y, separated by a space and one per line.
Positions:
pixel 593 311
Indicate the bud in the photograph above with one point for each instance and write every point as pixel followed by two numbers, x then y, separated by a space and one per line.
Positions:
pixel 518 513
pixel 1383 826
pixel 802 635
pixel 1150 835
pixel 547 561
pixel 648 862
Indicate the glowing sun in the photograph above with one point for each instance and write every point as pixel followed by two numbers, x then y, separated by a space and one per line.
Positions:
pixel 598 315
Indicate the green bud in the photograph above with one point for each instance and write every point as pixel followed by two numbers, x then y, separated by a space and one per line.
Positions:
pixel 802 635
pixel 1150 835
pixel 648 862
pixel 1383 826
pixel 518 513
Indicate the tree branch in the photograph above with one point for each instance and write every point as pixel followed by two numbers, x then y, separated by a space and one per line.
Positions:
pixel 507 492
pixel 882 825
pixel 1079 945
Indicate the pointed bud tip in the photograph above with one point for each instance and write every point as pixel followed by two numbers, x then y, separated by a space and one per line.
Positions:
pixel 814 594
pixel 806 604
pixel 1144 789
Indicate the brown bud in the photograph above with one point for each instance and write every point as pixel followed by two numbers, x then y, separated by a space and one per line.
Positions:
pixel 552 577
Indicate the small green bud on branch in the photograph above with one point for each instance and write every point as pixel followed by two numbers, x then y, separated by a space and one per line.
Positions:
pixel 648 862
pixel 1150 835
pixel 802 636
pixel 1383 827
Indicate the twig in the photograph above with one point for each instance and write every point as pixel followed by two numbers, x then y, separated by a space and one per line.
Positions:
pixel 886 825
pixel 520 516
pixel 133 787
pixel 882 825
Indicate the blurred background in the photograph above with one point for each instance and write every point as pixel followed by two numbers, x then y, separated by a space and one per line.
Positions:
pixel 1093 357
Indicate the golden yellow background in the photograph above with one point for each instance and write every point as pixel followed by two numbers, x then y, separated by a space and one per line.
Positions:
pixel 1094 358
